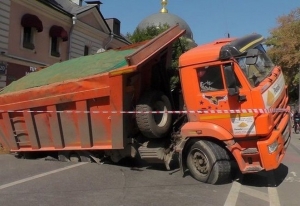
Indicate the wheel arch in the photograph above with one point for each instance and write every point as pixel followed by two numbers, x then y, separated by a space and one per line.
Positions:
pixel 205 129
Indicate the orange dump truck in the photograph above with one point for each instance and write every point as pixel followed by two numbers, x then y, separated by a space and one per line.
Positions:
pixel 230 106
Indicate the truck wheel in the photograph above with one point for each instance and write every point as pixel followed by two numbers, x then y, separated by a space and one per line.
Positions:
pixel 150 124
pixel 208 162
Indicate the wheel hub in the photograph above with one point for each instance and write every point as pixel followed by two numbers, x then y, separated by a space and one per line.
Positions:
pixel 200 162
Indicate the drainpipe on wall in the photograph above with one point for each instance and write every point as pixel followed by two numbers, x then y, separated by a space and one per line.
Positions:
pixel 111 37
pixel 74 18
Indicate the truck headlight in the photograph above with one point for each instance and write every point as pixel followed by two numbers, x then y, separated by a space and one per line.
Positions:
pixel 273 147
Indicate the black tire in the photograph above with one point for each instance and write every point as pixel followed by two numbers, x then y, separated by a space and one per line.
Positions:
pixel 154 125
pixel 209 162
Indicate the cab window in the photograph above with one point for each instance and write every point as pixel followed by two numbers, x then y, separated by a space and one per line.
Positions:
pixel 210 78
pixel 229 83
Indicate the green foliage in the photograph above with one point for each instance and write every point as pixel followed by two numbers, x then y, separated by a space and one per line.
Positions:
pixel 284 48
pixel 140 35
pixel 150 32
pixel 179 47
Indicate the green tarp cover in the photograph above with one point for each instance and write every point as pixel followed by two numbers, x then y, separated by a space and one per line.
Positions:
pixel 72 69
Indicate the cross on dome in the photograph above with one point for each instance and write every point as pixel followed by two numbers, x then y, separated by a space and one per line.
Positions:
pixel 163 17
pixel 164 4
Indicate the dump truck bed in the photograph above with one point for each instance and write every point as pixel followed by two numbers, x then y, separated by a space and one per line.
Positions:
pixel 77 104
pixel 57 106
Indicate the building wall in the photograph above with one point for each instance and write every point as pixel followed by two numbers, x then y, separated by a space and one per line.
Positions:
pixel 16 61
pixel 90 20
pixel 79 40
pixel 4 24
pixel 42 40
pixel 4 33
pixel 89 32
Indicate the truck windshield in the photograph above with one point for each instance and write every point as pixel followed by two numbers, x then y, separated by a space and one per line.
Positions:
pixel 257 72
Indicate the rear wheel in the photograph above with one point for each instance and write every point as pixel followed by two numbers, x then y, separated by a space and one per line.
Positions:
pixel 208 162
pixel 154 125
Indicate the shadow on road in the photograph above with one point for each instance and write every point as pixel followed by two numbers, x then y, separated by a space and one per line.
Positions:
pixel 261 179
pixel 265 178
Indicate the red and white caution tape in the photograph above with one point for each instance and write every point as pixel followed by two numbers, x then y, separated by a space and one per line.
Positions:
pixel 236 111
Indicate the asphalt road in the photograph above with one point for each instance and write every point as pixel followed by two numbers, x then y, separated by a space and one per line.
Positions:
pixel 40 182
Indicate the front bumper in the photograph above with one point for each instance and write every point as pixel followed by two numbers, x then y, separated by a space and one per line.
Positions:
pixel 282 134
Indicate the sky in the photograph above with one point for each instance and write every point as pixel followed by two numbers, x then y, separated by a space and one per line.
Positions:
pixel 208 19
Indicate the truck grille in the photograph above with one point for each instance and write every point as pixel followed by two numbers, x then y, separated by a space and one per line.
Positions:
pixel 277 116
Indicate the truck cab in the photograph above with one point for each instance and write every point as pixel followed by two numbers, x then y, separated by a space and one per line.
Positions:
pixel 236 98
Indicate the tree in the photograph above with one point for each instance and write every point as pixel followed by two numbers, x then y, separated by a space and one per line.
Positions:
pixel 140 35
pixel 149 32
pixel 284 48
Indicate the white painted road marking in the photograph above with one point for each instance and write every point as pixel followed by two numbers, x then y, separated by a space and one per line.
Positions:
pixel 292 179
pixel 294 173
pixel 236 188
pixel 40 175
pixel 273 196
pixel 255 193
pixel 233 194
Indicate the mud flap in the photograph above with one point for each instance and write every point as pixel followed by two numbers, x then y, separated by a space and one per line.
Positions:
pixel 182 165
pixel 168 159
pixel 179 149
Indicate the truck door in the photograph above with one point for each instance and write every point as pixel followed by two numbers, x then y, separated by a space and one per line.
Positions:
pixel 212 93
pixel 215 97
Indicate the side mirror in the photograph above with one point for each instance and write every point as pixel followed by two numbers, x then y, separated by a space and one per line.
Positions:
pixel 251 57
pixel 233 91
pixel 231 80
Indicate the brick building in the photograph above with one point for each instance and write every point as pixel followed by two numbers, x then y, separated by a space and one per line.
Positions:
pixel 38 33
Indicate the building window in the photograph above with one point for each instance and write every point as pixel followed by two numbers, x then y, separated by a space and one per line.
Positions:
pixel 86 50
pixel 55 47
pixel 31 25
pixel 28 38
pixel 58 34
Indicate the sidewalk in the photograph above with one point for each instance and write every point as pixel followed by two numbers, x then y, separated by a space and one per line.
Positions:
pixel 295 138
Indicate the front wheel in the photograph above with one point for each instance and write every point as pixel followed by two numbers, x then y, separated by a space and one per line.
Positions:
pixel 208 162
